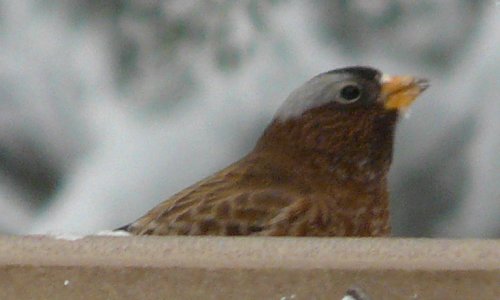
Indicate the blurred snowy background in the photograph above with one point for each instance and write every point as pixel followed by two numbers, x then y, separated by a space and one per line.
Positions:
pixel 109 107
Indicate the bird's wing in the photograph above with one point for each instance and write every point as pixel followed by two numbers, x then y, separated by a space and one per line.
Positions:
pixel 268 211
pixel 242 200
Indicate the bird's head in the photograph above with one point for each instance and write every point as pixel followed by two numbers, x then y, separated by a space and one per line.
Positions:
pixel 348 113
pixel 350 89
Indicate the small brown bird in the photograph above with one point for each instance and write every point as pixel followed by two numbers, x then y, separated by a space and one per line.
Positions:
pixel 319 169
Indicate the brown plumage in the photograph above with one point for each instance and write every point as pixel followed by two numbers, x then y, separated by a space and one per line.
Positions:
pixel 319 169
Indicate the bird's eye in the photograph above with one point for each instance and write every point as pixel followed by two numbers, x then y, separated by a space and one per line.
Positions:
pixel 350 93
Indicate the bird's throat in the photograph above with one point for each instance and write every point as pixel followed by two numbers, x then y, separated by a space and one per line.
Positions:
pixel 339 146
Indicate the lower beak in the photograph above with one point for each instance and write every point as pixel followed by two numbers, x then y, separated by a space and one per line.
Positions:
pixel 399 92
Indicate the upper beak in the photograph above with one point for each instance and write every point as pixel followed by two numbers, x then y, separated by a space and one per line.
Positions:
pixel 399 92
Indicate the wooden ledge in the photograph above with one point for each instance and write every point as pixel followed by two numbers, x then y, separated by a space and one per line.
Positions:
pixel 44 267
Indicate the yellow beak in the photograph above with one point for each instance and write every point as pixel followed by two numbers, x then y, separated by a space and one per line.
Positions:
pixel 399 92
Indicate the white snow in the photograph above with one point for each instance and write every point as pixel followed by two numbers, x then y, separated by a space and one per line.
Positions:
pixel 66 236
pixel 113 233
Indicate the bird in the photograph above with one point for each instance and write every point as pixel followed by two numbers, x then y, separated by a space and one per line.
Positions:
pixel 319 169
